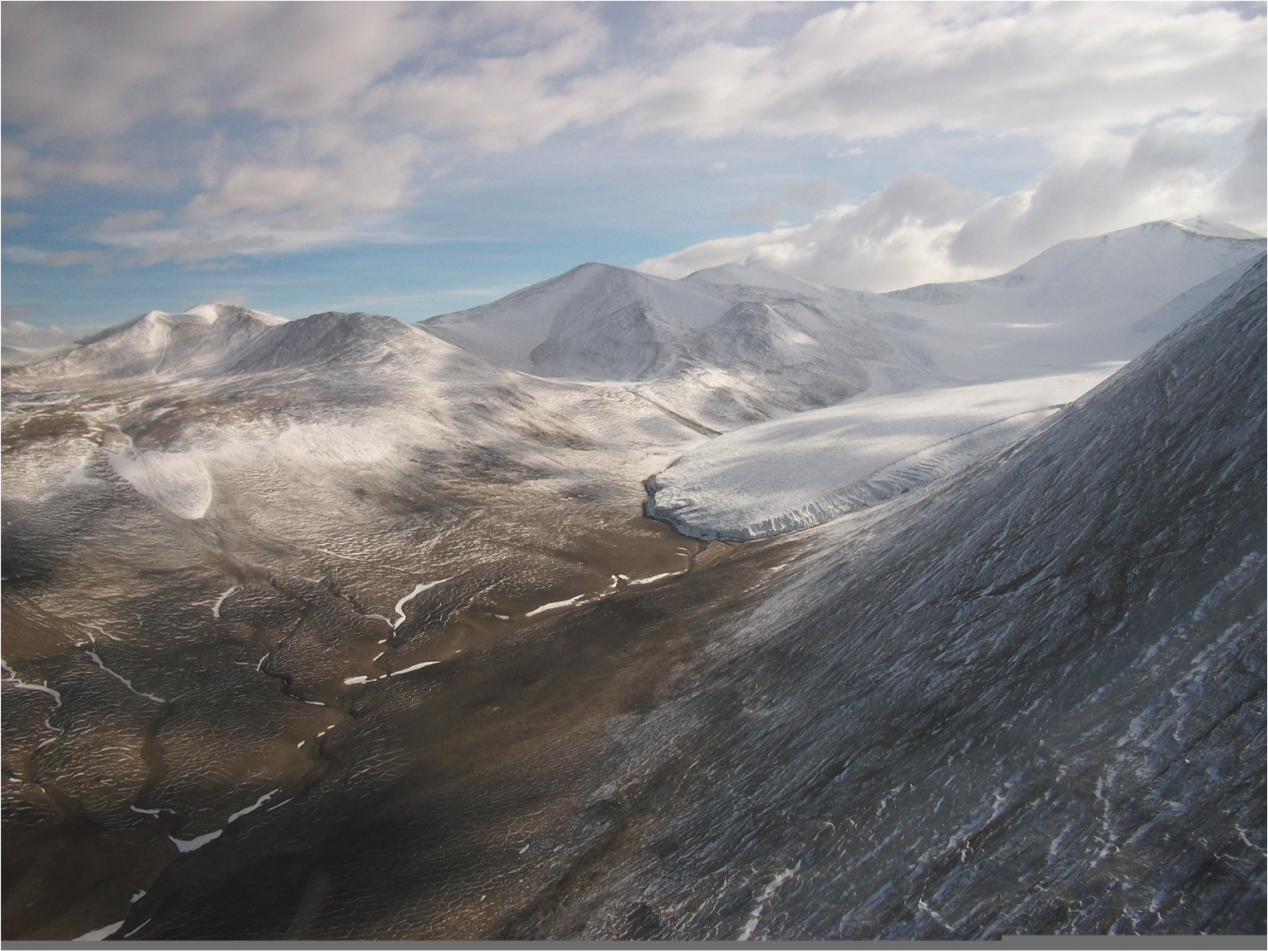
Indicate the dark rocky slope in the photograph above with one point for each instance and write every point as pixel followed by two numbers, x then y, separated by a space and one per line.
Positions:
pixel 1031 701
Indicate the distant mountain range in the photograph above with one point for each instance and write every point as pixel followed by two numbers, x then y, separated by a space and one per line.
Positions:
pixel 734 344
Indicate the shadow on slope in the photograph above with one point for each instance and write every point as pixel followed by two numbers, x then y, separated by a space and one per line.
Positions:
pixel 1031 701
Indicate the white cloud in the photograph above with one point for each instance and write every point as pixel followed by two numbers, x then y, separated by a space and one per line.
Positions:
pixel 18 333
pixel 808 193
pixel 1065 72
pixel 679 26
pixel 1243 188
pixel 891 240
pixel 266 121
pixel 922 229
pixel 93 72
pixel 501 103
pixel 311 179
pixel 1158 177
pixel 132 220
pixel 285 118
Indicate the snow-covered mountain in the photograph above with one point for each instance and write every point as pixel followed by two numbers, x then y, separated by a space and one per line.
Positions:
pixel 1079 302
pixel 333 627
pixel 1082 307
pixel 234 404
pixel 160 344
pixel 596 322
pixel 1031 701
pixel 734 344
pixel 1137 268
pixel 720 353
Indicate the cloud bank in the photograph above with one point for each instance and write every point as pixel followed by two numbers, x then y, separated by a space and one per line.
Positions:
pixel 922 229
pixel 241 129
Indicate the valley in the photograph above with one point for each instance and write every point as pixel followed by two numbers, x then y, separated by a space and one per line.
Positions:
pixel 347 629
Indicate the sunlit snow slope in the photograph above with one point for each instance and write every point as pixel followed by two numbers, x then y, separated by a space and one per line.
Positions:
pixel 733 345
pixel 229 411
pixel 1078 303
pixel 806 469
pixel 719 354
pixel 1081 307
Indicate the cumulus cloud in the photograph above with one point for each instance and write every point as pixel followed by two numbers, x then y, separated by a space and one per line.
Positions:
pixel 1160 176
pixel 810 193
pixel 1064 72
pixel 18 333
pixel 922 229
pixel 891 240
pixel 1243 188
pixel 674 27
pixel 280 118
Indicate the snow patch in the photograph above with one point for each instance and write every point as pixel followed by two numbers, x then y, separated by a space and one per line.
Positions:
pixel 400 605
pixel 654 578
pixel 189 845
pixel 101 933
pixel 555 605
pixel 410 670
pixel 250 809
pixel 123 680
pixel 767 894
pixel 177 481
pixel 215 608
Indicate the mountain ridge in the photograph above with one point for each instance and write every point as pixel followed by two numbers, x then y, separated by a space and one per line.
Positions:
pixel 1012 705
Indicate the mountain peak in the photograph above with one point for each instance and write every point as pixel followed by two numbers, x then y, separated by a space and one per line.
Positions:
pixel 753 275
pixel 210 312
pixel 1207 228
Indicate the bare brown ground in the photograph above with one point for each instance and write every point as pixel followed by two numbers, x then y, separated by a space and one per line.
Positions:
pixel 418 805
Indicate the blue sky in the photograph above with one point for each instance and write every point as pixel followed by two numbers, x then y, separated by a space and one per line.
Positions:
pixel 415 159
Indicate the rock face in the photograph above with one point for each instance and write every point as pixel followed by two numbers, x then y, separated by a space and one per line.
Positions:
pixel 1031 701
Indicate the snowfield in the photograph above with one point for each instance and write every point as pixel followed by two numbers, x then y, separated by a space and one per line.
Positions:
pixel 807 469
pixel 1085 306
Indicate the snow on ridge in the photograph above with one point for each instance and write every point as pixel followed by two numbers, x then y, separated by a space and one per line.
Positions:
pixel 161 344
pixel 748 328
pixel 1206 228
pixel 213 311
pixel 716 354
pixel 224 339
pixel 1154 261
pixel 594 322
pixel 754 275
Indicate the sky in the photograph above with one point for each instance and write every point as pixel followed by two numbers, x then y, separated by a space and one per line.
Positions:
pixel 415 159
